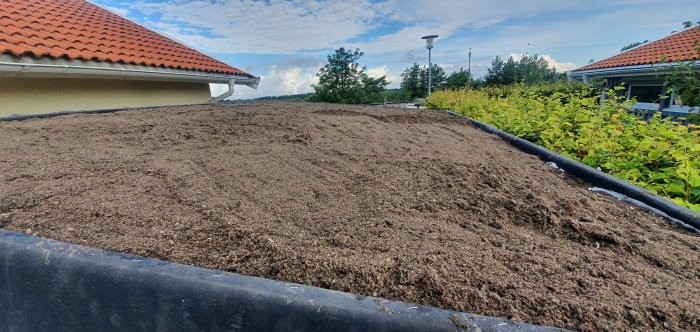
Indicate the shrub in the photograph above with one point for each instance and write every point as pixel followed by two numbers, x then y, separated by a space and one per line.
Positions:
pixel 660 155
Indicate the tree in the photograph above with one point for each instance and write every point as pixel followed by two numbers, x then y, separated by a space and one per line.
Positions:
pixel 438 78
pixel 411 81
pixel 534 70
pixel 687 24
pixel 510 72
pixel 373 89
pixel 494 76
pixel 528 70
pixel 415 80
pixel 342 80
pixel 458 79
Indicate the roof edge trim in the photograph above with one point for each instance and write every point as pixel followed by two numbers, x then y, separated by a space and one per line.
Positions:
pixel 89 69
pixel 648 69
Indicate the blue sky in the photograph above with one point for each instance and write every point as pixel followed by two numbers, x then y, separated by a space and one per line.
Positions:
pixel 285 42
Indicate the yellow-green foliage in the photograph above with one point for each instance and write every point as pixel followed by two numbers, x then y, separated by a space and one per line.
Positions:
pixel 659 155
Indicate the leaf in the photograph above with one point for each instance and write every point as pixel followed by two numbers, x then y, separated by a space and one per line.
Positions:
pixel 679 155
pixel 694 207
pixel 680 201
pixel 655 154
pixel 695 192
pixel 590 160
pixel 676 187
pixel 657 175
pixel 694 178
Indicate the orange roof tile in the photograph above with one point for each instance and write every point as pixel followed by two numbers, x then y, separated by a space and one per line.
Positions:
pixel 676 47
pixel 79 30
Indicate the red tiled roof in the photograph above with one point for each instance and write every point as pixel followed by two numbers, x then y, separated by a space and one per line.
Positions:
pixel 79 30
pixel 676 47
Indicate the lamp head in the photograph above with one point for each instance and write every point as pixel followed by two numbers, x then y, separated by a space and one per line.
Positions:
pixel 429 40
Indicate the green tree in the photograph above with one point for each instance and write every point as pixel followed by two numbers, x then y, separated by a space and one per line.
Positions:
pixel 415 80
pixel 494 76
pixel 458 79
pixel 438 78
pixel 411 81
pixel 510 72
pixel 535 70
pixel 343 80
pixel 373 89
pixel 528 70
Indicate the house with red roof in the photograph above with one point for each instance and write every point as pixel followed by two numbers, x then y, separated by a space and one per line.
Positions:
pixel 643 70
pixel 58 55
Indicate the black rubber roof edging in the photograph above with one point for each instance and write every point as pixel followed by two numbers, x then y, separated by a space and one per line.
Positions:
pixel 594 176
pixel 49 285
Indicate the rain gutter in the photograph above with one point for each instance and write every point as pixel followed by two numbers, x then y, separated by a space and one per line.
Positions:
pixel 20 69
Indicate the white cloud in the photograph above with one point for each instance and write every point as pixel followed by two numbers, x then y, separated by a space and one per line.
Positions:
pixel 560 66
pixel 489 22
pixel 376 72
pixel 447 17
pixel 285 27
pixel 393 78
pixel 243 26
pixel 277 82
pixel 121 11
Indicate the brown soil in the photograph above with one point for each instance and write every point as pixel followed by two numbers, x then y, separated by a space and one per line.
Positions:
pixel 415 206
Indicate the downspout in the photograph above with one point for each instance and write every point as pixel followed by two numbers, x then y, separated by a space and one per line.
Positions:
pixel 225 94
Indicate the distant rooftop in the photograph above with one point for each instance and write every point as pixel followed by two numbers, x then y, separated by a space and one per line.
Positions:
pixel 676 47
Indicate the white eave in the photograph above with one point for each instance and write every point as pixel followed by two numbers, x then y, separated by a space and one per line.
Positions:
pixel 636 70
pixel 26 66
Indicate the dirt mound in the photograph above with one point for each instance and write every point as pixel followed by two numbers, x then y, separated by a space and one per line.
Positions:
pixel 409 205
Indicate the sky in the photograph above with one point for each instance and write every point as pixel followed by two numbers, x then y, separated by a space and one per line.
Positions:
pixel 286 42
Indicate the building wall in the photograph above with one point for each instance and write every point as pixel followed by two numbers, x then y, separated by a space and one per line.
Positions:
pixel 45 95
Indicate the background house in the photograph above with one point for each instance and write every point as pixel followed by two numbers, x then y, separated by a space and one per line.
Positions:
pixel 60 55
pixel 643 71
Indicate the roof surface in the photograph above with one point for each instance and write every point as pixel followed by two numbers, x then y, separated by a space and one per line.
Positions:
pixel 79 30
pixel 676 47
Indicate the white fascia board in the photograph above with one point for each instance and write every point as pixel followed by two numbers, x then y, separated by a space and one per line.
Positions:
pixel 29 67
pixel 636 70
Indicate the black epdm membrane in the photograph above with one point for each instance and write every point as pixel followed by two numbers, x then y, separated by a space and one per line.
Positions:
pixel 55 286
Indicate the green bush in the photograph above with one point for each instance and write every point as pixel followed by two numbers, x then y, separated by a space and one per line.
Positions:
pixel 659 155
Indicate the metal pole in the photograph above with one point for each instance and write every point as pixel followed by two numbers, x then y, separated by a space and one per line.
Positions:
pixel 469 68
pixel 430 73
pixel 429 46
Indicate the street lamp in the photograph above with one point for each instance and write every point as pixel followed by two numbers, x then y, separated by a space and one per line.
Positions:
pixel 429 46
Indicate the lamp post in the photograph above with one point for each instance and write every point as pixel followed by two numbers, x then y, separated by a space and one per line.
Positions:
pixel 429 46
